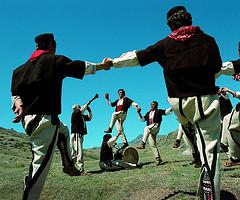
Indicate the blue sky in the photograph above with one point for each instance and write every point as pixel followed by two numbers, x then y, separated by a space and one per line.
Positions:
pixel 91 30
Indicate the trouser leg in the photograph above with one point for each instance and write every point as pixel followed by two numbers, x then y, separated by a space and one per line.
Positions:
pixel 119 125
pixel 153 143
pixel 113 120
pixel 180 132
pixel 145 134
pixel 43 141
pixel 204 113
pixel 63 145
pixel 233 135
pixel 73 147
pixel 110 166
pixel 191 140
pixel 80 162
pixel 122 164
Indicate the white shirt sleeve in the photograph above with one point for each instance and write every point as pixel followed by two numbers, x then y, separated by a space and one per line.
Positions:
pixel 142 119
pixel 111 142
pixel 109 102
pixel 168 111
pixel 128 59
pixel 83 108
pixel 134 105
pixel 90 68
pixel 226 69
pixel 237 95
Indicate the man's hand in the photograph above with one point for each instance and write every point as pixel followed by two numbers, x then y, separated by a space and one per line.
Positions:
pixel 236 77
pixel 119 133
pixel 108 62
pixel 18 111
pixel 107 96
pixel 224 90
pixel 138 109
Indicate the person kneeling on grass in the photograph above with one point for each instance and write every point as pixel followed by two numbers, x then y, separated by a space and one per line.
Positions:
pixel 107 161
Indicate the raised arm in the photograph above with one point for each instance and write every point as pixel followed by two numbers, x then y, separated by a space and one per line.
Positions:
pixel 235 94
pixel 168 111
pixel 135 58
pixel 112 141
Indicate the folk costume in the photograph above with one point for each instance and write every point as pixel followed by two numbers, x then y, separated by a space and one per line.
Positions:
pixel 153 120
pixel 190 59
pixel 107 161
pixel 78 130
pixel 231 134
pixel 119 116
pixel 38 83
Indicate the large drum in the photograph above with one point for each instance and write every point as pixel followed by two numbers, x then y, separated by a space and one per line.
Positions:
pixel 130 155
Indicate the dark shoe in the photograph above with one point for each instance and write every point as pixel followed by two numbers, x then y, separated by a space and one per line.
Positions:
pixel 158 161
pixel 72 171
pixel 176 144
pixel 232 162
pixel 141 146
pixel 109 130
pixel 197 164
pixel 223 148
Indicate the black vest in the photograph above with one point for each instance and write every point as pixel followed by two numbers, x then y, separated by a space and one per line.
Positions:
pixel 78 124
pixel 225 106
pixel 126 104
pixel 39 83
pixel 189 67
pixel 157 118
pixel 106 153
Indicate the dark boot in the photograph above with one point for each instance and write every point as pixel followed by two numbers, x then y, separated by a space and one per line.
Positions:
pixel 158 161
pixel 176 144
pixel 223 148
pixel 196 160
pixel 141 146
pixel 109 130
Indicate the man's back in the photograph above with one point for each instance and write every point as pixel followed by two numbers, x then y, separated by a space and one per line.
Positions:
pixel 39 83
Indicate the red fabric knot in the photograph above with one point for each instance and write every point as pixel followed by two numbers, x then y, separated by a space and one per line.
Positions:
pixel 184 33
pixel 36 54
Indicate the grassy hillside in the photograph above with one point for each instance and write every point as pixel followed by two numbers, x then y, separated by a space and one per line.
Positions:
pixel 175 179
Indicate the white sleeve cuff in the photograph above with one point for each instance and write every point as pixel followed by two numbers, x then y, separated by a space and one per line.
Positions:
pixel 128 59
pixel 14 99
pixel 237 95
pixel 168 111
pixel 111 142
pixel 90 68
pixel 227 68
pixel 134 105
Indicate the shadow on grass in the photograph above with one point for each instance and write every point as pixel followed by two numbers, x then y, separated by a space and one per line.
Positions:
pixel 225 195
pixel 175 193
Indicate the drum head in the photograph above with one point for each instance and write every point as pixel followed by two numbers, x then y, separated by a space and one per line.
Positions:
pixel 130 155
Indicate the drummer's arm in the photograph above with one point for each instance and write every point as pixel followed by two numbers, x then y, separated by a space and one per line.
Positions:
pixel 112 141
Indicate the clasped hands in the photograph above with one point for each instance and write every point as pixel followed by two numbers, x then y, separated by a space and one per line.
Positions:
pixel 107 63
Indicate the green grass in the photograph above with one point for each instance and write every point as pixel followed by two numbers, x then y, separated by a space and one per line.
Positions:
pixel 149 182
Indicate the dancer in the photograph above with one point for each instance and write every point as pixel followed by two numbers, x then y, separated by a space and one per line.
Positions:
pixel 190 60
pixel 119 116
pixel 36 95
pixel 153 119
pixel 231 133
pixel 79 129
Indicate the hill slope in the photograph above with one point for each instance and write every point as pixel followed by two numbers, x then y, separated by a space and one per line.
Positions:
pixel 175 179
